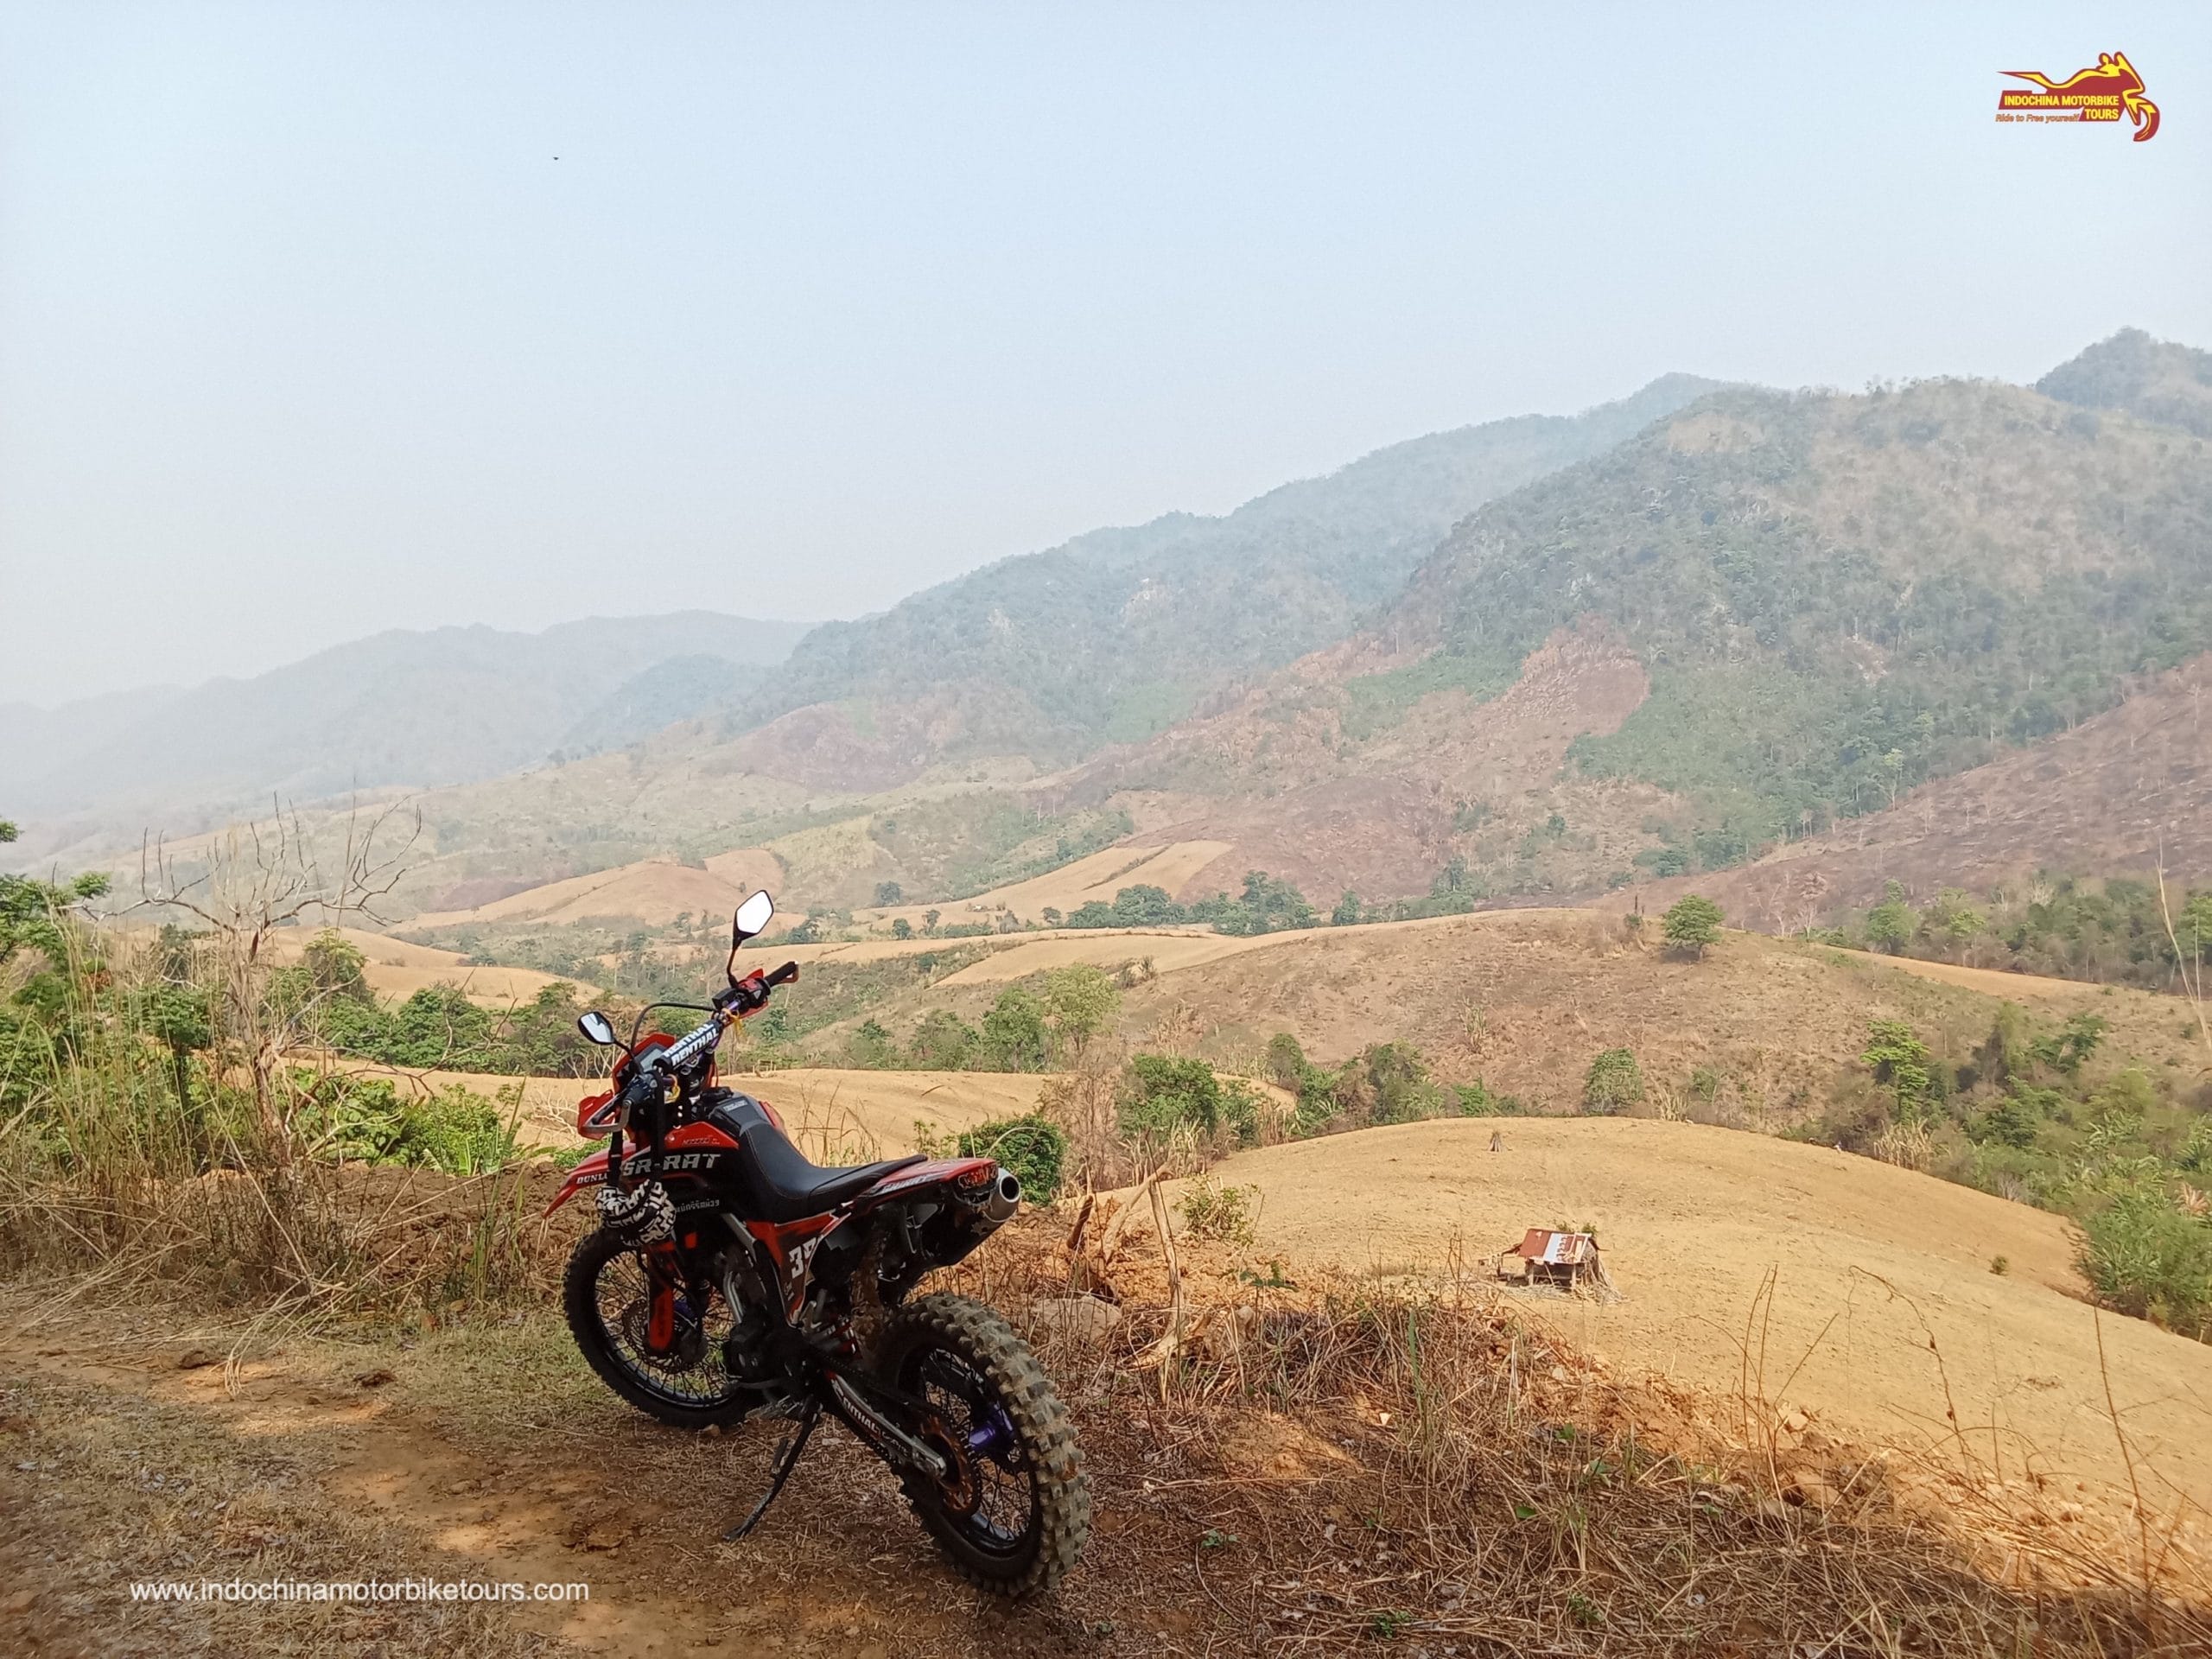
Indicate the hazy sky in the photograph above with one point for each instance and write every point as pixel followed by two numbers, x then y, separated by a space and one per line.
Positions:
pixel 305 331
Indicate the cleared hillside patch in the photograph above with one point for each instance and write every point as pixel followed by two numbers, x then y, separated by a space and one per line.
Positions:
pixel 1857 1292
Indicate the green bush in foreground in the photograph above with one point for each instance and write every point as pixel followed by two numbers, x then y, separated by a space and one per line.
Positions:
pixel 2146 1255
pixel 1161 1093
pixel 362 1120
pixel 1033 1147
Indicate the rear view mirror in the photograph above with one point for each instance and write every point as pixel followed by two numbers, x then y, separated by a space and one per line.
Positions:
pixel 751 917
pixel 596 1026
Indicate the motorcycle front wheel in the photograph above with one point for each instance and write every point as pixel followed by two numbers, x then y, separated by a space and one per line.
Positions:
pixel 607 1295
pixel 1013 1508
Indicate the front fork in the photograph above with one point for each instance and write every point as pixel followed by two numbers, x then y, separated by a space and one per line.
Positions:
pixel 665 1276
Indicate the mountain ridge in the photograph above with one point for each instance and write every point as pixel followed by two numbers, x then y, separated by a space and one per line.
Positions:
pixel 419 708
pixel 1751 621
pixel 1094 641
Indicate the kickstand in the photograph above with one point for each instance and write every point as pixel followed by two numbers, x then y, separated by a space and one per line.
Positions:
pixel 786 1459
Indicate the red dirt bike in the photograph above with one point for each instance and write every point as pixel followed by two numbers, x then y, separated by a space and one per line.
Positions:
pixel 730 1278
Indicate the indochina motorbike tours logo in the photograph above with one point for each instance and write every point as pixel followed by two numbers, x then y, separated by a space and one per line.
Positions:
pixel 2104 93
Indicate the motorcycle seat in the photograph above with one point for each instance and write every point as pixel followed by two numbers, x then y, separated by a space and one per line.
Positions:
pixel 788 1187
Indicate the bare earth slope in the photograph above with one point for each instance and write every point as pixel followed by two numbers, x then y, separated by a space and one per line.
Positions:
pixel 1524 1000
pixel 397 969
pixel 1884 1303
pixel 654 890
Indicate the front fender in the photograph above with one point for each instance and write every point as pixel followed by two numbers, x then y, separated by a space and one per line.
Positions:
pixel 590 1173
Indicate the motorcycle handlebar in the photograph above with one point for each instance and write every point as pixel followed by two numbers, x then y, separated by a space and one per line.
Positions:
pixel 750 993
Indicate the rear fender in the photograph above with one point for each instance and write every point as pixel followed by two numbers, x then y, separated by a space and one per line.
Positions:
pixel 969 1177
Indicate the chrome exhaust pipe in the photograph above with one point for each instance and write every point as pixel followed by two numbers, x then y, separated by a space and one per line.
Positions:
pixel 1005 1199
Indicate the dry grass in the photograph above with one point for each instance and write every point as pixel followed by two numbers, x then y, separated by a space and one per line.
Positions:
pixel 1311 1468
pixel 133 1156
pixel 1351 1462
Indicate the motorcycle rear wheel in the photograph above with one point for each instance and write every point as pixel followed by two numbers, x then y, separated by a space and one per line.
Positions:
pixel 604 1295
pixel 1015 1511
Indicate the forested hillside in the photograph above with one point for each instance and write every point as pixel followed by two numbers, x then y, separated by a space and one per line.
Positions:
pixel 1119 633
pixel 2151 379
pixel 1772 612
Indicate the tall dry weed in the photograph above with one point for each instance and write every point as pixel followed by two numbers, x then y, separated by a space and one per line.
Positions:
pixel 1425 1461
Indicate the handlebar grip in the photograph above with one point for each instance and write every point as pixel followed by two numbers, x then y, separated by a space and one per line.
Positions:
pixel 782 976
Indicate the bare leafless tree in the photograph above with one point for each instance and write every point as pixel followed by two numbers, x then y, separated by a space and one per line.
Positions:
pixel 245 884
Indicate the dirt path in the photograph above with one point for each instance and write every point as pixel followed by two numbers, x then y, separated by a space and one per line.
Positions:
pixel 1995 982
pixel 464 1456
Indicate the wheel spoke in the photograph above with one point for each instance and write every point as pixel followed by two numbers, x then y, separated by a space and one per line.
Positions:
pixel 623 1297
pixel 1005 1503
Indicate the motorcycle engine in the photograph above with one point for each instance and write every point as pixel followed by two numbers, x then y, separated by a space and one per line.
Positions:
pixel 745 1349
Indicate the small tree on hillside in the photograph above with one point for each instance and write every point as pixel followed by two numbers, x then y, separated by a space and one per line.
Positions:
pixel 337 967
pixel 1899 1061
pixel 889 893
pixel 1286 1060
pixel 31 911
pixel 1891 923
pixel 1014 1032
pixel 1613 1084
pixel 943 1041
pixel 1691 924
pixel 1082 999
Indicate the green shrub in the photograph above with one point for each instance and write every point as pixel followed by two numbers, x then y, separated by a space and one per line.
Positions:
pixel 1691 924
pixel 1891 925
pixel 362 1120
pixel 1160 1093
pixel 1033 1147
pixel 352 1120
pixel 943 1042
pixel 1221 1213
pixel 2195 1155
pixel 2065 1051
pixel 1268 905
pixel 1475 1100
pixel 870 1046
pixel 1387 1082
pixel 1240 1111
pixel 1081 1001
pixel 2145 1255
pixel 1317 1102
pixel 1613 1082
pixel 2009 1122
pixel 1899 1061
pixel 1014 1032
pixel 1286 1061
pixel 458 1131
